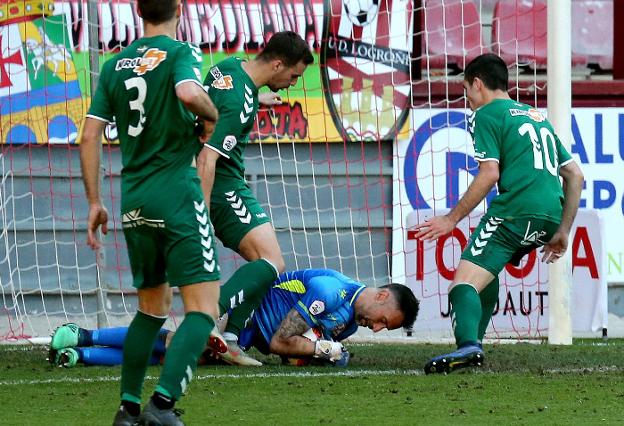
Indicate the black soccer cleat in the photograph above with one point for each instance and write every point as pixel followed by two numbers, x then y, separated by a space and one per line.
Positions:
pixel 124 418
pixel 470 355
pixel 154 416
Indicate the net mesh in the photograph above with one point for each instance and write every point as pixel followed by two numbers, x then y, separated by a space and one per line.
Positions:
pixel 339 185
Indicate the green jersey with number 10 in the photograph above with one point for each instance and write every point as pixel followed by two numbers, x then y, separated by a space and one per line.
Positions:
pixel 137 90
pixel 529 155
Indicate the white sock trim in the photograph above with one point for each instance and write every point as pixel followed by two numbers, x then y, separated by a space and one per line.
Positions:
pixel 272 266
pixel 230 337
pixel 152 315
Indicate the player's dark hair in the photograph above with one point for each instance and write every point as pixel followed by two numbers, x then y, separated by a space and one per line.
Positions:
pixel 288 47
pixel 157 11
pixel 408 304
pixel 490 69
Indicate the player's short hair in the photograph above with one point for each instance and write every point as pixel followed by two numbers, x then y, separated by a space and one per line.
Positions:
pixel 288 47
pixel 490 69
pixel 408 304
pixel 157 11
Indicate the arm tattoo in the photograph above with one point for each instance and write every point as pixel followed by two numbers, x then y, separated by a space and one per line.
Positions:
pixel 292 325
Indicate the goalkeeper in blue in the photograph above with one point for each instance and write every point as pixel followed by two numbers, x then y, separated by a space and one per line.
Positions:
pixel 302 317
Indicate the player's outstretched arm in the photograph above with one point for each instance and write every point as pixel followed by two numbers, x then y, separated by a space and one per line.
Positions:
pixel 270 98
pixel 90 142
pixel 195 99
pixel 481 185
pixel 572 187
pixel 206 166
pixel 288 339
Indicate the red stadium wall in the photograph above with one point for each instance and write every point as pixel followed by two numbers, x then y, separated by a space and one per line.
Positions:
pixel 585 93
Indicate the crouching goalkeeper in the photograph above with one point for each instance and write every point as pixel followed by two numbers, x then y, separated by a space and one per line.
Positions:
pixel 302 317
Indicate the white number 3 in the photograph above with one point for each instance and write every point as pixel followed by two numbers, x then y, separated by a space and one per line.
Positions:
pixel 137 104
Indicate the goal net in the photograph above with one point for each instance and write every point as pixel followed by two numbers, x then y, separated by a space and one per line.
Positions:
pixel 328 165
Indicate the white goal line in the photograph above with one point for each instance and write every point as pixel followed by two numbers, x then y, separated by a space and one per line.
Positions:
pixel 305 374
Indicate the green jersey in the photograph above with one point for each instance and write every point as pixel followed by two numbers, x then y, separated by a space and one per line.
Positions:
pixel 529 155
pixel 236 97
pixel 137 90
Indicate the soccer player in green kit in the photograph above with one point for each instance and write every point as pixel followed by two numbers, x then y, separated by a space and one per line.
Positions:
pixel 153 91
pixel 516 148
pixel 239 221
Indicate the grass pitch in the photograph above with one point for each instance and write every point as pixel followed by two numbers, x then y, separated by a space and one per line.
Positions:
pixel 522 384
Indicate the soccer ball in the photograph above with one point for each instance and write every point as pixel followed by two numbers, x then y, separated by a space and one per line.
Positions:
pixel 361 12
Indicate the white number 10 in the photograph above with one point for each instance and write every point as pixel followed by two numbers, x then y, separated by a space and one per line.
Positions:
pixel 137 104
pixel 541 153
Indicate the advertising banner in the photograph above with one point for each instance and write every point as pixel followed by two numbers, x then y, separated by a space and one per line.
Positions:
pixel 435 166
pixel 40 96
pixel 357 89
pixel 523 302
pixel 432 170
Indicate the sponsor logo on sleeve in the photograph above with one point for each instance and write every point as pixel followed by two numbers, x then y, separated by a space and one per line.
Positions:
pixel 535 115
pixel 317 307
pixel 216 73
pixel 223 83
pixel 229 142
pixel 532 113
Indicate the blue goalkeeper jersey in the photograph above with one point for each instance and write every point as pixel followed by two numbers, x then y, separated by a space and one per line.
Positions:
pixel 323 297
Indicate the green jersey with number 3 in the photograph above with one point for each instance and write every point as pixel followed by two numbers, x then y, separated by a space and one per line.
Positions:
pixel 137 90
pixel 236 97
pixel 529 155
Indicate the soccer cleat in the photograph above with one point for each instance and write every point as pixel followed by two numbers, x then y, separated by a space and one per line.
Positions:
pixel 65 336
pixel 154 416
pixel 124 418
pixel 66 357
pixel 216 342
pixel 222 322
pixel 236 356
pixel 466 356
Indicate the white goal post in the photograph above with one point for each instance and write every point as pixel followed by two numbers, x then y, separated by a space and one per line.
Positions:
pixel 559 114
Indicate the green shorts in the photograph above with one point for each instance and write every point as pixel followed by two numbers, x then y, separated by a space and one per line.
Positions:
pixel 234 212
pixel 171 242
pixel 497 241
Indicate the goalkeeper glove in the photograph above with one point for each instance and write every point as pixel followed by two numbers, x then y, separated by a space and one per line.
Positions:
pixel 326 349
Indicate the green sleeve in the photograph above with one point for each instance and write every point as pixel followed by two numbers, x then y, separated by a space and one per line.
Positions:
pixel 101 107
pixel 228 129
pixel 485 135
pixel 562 153
pixel 187 65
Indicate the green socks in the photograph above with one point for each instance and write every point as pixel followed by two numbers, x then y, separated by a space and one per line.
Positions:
pixel 187 345
pixel 137 351
pixel 243 292
pixel 465 313
pixel 489 297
